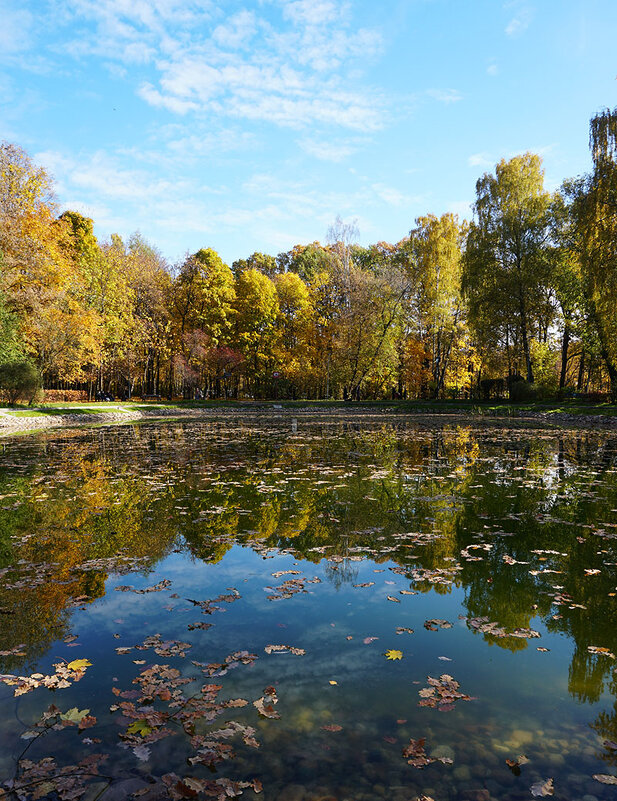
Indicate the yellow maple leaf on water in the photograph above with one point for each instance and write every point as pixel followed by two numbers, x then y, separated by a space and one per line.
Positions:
pixel 79 664
pixel 393 654
pixel 139 727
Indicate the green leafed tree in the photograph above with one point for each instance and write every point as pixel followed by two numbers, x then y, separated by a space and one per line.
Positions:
pixel 594 209
pixel 506 270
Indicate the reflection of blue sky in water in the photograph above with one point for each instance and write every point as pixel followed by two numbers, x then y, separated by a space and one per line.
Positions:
pixel 462 487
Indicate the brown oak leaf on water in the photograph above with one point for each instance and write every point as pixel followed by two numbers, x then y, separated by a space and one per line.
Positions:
pixel 265 704
pixel 435 623
pixel 541 789
pixel 605 778
pixel 417 757
pixel 280 649
pixel 442 693
pixel 515 764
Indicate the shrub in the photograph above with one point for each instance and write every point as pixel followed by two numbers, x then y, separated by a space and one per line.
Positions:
pixel 523 391
pixel 19 380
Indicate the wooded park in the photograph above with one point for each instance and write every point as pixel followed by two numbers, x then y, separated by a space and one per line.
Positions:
pixel 520 302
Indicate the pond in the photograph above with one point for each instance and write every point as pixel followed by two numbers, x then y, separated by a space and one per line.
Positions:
pixel 302 609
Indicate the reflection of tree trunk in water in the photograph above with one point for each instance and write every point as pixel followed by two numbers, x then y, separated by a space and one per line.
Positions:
pixel 561 461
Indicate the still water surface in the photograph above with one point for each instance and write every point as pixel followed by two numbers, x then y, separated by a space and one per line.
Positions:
pixel 485 558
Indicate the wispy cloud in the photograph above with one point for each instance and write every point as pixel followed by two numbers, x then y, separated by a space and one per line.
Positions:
pixel 390 196
pixel 14 29
pixel 290 68
pixel 483 159
pixel 327 150
pixel 445 95
pixel 521 20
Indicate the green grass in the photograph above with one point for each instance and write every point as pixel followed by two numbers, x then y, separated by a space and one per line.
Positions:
pixel 471 407
pixel 43 411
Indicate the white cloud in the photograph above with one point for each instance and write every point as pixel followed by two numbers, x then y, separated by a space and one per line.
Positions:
pixel 313 12
pixel 521 19
pixel 481 160
pixel 492 69
pixel 153 97
pixel 327 150
pixel 445 95
pixel 293 72
pixel 237 31
pixel 279 94
pixel 390 195
pixel 14 29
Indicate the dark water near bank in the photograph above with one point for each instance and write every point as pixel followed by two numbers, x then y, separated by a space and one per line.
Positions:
pixel 505 539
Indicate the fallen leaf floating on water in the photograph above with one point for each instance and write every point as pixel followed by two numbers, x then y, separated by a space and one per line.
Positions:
pixel 432 625
pixel 280 649
pixel 65 674
pixel 229 663
pixel 417 757
pixel 290 587
pixel 365 584
pixel 162 585
pixel 164 647
pixel 393 654
pixel 142 752
pixel 543 650
pixel 369 640
pixel 403 630
pixel 590 571
pixel 332 727
pixel 597 649
pixel 442 693
pixel 392 598
pixel 515 764
pixel 39 779
pixel 18 650
pixel 483 625
pixel 542 788
pixel 610 745
pixel 605 778
pixel 265 704
pixel 219 789
pixel 209 606
pixel 78 665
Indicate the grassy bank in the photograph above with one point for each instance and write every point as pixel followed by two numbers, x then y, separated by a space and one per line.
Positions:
pixel 481 408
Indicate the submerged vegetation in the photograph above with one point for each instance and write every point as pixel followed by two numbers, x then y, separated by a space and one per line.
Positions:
pixel 519 302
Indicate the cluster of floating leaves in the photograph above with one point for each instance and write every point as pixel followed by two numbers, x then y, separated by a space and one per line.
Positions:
pixel 64 675
pixel 441 693
pixel 417 757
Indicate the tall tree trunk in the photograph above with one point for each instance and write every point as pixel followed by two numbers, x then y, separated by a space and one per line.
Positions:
pixel 565 343
pixel 525 336
pixel 581 371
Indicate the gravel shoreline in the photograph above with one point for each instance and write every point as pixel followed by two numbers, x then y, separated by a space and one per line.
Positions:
pixel 10 425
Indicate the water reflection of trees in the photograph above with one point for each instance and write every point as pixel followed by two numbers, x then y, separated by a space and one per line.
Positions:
pixel 322 493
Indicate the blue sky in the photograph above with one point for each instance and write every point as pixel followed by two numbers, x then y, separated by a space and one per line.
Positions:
pixel 248 126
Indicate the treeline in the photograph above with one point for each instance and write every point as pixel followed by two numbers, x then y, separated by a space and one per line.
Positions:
pixel 521 301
